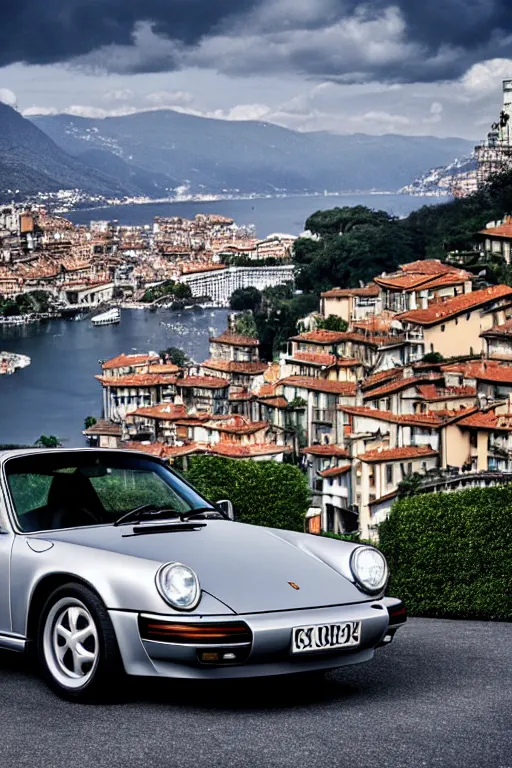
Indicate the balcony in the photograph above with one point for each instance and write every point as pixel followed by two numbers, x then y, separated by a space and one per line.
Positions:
pixel 324 416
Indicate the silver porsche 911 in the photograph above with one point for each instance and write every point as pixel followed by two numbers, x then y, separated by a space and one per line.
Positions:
pixel 111 564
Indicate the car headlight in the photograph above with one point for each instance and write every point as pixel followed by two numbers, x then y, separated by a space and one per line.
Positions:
pixel 369 569
pixel 179 586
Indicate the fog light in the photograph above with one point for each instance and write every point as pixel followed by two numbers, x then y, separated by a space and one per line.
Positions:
pixel 209 656
pixel 228 657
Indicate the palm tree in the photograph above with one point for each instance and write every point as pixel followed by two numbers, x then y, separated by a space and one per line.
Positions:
pixel 48 441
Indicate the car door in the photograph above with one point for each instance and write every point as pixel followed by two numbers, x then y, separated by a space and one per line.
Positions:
pixel 6 542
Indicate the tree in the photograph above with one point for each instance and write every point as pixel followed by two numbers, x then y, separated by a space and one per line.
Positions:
pixel 332 323
pixel 89 421
pixel 48 441
pixel 433 357
pixel 262 492
pixel 182 291
pixel 175 356
pixel 410 485
pixel 245 325
pixel 245 299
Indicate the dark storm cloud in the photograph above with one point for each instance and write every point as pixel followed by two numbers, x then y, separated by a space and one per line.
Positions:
pixel 438 39
pixel 47 31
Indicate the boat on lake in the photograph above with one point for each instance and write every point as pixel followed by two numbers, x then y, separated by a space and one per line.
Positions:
pixel 110 317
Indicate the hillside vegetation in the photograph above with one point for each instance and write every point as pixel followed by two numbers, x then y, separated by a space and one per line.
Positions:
pixel 356 244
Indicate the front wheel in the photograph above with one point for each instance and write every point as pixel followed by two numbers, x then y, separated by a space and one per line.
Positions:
pixel 76 645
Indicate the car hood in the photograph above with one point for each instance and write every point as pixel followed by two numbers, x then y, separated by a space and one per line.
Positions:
pixel 249 568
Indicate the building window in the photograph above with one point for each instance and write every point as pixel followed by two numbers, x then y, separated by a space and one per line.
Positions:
pixel 389 474
pixel 468 315
pixel 443 327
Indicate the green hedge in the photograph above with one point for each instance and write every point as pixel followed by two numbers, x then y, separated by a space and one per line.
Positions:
pixel 450 554
pixel 262 492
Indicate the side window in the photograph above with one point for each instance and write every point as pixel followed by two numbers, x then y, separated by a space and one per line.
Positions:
pixel 29 491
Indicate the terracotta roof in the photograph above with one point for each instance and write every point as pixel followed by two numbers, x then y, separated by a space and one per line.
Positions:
pixel 335 471
pixel 274 402
pixel 483 370
pixel 369 291
pixel 439 311
pixel 237 451
pixel 326 450
pixel 412 419
pixel 137 380
pixel 124 361
pixel 266 390
pixel 323 359
pixel 388 496
pixel 397 385
pixel 236 425
pixel 426 267
pixel 431 392
pixel 235 340
pixel 328 338
pixel 347 388
pixel 500 330
pixel 321 337
pixel 451 278
pixel 103 427
pixel 235 366
pixel 413 281
pixel 314 358
pixel 488 420
pixel 202 382
pixel 403 282
pixel 397 454
pixel 165 368
pixel 192 269
pixel 161 412
pixel 242 395
pixel 379 378
pixel 503 230
pixel 153 449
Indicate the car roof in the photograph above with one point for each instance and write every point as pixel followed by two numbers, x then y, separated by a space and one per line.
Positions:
pixel 15 452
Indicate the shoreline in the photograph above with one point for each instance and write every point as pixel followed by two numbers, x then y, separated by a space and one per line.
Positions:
pixel 207 199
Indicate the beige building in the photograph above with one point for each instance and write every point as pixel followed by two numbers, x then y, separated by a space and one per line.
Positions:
pixel 351 303
pixel 454 327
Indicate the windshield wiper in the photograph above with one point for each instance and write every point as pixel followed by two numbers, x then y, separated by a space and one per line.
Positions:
pixel 152 511
pixel 145 509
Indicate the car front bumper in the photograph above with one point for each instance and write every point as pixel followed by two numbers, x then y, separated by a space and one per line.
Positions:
pixel 270 649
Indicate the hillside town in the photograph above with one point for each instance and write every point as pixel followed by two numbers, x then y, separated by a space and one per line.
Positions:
pixel 417 389
pixel 58 267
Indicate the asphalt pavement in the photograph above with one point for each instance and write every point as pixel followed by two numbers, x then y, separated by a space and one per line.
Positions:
pixel 440 695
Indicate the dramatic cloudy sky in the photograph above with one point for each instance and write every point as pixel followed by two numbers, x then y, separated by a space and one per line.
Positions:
pixel 404 66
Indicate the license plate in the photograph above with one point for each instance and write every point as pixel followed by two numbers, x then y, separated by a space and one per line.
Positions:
pixel 324 637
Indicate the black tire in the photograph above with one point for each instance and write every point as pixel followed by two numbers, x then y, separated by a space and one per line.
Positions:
pixel 85 670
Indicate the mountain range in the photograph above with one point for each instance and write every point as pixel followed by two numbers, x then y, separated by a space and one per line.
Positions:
pixel 160 152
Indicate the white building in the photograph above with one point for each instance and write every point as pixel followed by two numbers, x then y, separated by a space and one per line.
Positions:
pixel 219 284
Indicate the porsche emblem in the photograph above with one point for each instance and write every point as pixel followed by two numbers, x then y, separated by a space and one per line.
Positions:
pixel 293 584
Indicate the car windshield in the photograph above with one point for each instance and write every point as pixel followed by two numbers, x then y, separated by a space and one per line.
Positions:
pixel 76 488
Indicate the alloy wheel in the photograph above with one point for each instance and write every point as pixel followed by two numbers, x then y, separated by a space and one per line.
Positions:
pixel 70 643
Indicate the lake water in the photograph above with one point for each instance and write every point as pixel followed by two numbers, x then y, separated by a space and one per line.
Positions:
pixel 286 214
pixel 55 394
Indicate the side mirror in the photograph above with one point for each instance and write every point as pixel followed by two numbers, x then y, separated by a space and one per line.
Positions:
pixel 227 507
